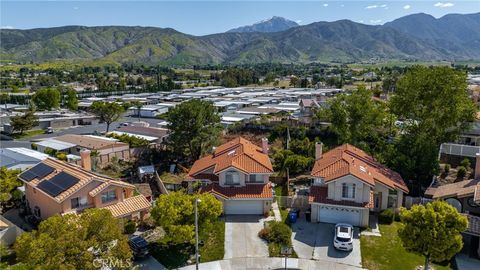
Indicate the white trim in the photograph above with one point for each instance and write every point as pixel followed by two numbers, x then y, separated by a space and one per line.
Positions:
pixel 338 205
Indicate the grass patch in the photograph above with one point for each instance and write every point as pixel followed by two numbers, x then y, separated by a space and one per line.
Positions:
pixel 387 252
pixel 29 133
pixel 213 248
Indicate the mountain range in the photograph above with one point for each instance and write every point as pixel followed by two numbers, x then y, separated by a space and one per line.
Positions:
pixel 413 37
pixel 274 24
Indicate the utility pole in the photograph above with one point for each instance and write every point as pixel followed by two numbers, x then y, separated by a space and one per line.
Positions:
pixel 158 78
pixel 196 233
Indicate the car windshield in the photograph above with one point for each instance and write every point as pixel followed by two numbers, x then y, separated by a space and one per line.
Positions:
pixel 342 239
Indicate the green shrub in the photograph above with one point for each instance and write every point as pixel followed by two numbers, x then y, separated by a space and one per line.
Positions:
pixel 465 163
pixel 130 227
pixel 280 233
pixel 264 233
pixel 446 168
pixel 34 146
pixel 61 156
pixel 386 216
pixel 461 172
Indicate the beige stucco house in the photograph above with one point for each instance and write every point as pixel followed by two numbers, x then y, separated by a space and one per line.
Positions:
pixel 56 187
pixel 237 173
pixel 348 184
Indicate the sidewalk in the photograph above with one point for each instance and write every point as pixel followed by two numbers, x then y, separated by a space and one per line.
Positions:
pixel 270 263
pixel 276 212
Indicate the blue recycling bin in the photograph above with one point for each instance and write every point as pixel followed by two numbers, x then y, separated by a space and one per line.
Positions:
pixel 292 216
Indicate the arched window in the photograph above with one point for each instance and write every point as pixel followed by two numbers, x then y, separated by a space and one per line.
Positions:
pixel 232 178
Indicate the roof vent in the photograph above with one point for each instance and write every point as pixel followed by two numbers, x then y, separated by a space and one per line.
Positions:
pixel 231 153
pixel 363 169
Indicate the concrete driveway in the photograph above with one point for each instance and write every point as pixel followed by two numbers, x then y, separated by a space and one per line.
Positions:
pixel 241 237
pixel 315 241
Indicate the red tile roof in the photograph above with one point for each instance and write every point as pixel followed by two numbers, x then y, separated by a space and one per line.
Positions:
pixel 349 160
pixel 238 153
pixel 129 206
pixel 319 194
pixel 250 191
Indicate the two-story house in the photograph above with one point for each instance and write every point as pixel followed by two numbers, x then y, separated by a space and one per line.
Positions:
pixel 56 187
pixel 348 184
pixel 237 173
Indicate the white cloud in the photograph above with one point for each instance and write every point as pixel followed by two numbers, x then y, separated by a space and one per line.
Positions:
pixel 325 5
pixel 375 21
pixel 75 8
pixel 342 5
pixel 298 21
pixel 406 7
pixel 360 21
pixel 383 6
pixel 6 27
pixel 444 5
pixel 372 6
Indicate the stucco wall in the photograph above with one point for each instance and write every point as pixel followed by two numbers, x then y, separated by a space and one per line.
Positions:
pixel 48 206
pixel 379 188
pixel 118 191
pixel 222 175
pixel 362 191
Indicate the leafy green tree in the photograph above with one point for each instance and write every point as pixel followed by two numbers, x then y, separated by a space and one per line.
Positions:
pixel 108 112
pixel 138 105
pixel 8 186
pixel 175 213
pixel 432 231
pixel 75 242
pixel 47 99
pixel 23 122
pixel 71 100
pixel 195 128
pixel 295 164
pixel 357 118
pixel 435 107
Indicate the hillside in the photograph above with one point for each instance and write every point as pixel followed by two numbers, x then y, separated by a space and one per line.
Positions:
pixel 339 41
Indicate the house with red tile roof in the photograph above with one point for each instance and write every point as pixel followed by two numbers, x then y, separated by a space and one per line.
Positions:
pixel 348 184
pixel 56 187
pixel 237 173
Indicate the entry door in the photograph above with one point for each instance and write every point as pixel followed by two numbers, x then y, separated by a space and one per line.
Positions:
pixel 377 201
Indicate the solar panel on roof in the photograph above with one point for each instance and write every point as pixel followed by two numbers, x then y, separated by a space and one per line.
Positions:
pixel 38 171
pixel 58 184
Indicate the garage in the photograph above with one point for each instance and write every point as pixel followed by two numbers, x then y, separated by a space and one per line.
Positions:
pixel 333 214
pixel 241 207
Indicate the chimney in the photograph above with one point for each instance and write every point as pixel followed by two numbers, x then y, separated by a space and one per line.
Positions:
pixel 86 159
pixel 477 166
pixel 265 145
pixel 318 150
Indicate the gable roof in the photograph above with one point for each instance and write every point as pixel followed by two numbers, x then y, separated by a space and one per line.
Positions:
pixel 84 178
pixel 245 192
pixel 349 160
pixel 146 131
pixel 308 102
pixel 90 142
pixel 238 153
pixel 459 189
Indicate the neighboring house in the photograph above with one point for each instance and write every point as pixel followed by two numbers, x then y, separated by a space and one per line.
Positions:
pixel 20 158
pixel 102 145
pixel 56 187
pixel 8 232
pixel 465 197
pixel 237 173
pixel 160 134
pixel 308 106
pixel 348 184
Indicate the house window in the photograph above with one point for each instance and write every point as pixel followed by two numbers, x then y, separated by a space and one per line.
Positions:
pixel 255 178
pixel 348 191
pixel 78 202
pixel 36 212
pixel 109 196
pixel 232 178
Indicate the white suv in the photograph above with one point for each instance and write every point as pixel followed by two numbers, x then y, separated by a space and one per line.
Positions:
pixel 343 239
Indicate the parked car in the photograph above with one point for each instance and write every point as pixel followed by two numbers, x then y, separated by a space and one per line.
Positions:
pixel 139 246
pixel 343 239
pixel 49 130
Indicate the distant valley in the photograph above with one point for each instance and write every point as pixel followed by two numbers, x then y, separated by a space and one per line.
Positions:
pixel 414 37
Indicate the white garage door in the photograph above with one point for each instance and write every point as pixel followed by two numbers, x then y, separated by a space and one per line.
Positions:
pixel 239 207
pixel 332 214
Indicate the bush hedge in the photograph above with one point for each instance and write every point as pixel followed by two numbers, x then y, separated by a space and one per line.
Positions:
pixel 386 216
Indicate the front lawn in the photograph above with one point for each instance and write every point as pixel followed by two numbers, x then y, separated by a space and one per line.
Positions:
pixel 28 133
pixel 387 252
pixel 211 236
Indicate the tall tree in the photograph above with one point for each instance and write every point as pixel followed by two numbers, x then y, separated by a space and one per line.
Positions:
pixel 71 100
pixel 108 112
pixel 175 214
pixel 195 128
pixel 434 105
pixel 432 231
pixel 357 118
pixel 23 122
pixel 75 242
pixel 47 99
pixel 8 186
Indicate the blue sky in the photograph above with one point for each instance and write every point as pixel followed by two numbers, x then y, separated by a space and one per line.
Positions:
pixel 199 17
